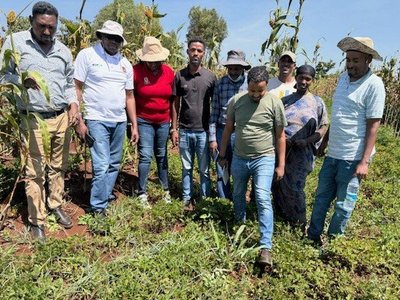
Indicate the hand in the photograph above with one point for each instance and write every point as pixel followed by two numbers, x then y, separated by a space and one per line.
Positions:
pixel 134 134
pixel 174 139
pixel 279 171
pixel 362 170
pixel 300 143
pixel 213 146
pixel 74 117
pixel 81 130
pixel 30 83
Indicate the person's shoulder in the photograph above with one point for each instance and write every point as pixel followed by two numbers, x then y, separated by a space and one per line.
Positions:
pixel 167 69
pixel 242 96
pixel 207 72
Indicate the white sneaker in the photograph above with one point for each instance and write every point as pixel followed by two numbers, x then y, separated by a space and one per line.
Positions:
pixel 167 197
pixel 144 201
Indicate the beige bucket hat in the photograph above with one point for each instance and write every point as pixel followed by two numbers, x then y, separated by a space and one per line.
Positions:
pixel 361 44
pixel 152 50
pixel 111 28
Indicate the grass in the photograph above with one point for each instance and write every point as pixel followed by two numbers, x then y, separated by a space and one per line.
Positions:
pixel 164 253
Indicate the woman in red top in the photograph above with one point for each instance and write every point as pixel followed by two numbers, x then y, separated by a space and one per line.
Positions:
pixel 153 81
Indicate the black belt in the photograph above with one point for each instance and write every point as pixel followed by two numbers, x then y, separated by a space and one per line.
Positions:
pixel 47 114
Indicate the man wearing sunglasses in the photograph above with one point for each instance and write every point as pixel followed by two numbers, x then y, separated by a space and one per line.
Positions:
pixel 104 84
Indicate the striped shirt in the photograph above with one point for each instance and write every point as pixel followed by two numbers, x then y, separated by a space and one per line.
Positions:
pixel 224 90
pixel 56 67
pixel 353 104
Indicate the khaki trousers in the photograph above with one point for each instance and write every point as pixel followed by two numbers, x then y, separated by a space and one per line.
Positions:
pixel 36 172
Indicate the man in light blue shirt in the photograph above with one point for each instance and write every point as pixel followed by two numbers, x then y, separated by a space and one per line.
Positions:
pixel 357 109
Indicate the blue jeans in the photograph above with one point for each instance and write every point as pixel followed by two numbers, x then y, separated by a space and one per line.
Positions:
pixel 262 171
pixel 191 143
pixel 106 158
pixel 152 139
pixel 224 190
pixel 334 178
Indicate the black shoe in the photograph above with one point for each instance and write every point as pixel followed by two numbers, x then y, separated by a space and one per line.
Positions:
pixel 62 218
pixel 37 232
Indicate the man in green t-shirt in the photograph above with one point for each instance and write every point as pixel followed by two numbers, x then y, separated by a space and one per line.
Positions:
pixel 259 120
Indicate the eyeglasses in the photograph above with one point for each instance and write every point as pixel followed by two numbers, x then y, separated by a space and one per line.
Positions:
pixel 115 38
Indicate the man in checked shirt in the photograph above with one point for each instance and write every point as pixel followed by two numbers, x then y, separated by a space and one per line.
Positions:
pixel 229 85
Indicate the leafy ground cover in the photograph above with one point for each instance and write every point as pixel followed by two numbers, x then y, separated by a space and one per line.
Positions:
pixel 164 253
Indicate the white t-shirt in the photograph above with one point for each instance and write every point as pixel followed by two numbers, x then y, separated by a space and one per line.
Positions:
pixel 106 79
pixel 354 103
pixel 279 88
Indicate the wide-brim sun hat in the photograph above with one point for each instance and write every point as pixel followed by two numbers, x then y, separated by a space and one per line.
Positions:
pixel 111 28
pixel 360 44
pixel 152 50
pixel 236 58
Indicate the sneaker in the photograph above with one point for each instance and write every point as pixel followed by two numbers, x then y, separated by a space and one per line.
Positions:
pixel 167 197
pixel 144 201
pixel 187 205
pixel 264 257
pixel 316 242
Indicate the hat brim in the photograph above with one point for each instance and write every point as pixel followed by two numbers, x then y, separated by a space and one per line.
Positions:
pixel 98 35
pixel 236 62
pixel 351 44
pixel 153 57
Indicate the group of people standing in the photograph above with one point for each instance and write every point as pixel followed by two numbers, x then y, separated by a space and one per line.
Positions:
pixel 251 125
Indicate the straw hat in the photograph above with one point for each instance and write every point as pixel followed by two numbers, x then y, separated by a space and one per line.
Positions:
pixel 236 57
pixel 360 44
pixel 111 28
pixel 152 50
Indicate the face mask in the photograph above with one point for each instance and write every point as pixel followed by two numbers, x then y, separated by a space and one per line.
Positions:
pixel 237 79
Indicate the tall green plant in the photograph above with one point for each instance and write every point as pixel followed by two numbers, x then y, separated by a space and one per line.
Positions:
pixel 284 32
pixel 390 73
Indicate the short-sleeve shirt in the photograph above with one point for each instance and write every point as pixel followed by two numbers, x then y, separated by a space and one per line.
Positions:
pixel 195 91
pixel 153 93
pixel 106 79
pixel 281 89
pixel 255 124
pixel 353 104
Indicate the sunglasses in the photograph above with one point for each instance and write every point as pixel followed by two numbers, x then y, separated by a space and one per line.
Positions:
pixel 114 38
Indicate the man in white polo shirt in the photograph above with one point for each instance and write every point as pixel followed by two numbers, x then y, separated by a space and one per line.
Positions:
pixel 357 110
pixel 104 83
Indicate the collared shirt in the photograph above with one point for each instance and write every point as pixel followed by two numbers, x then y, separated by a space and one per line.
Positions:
pixel 195 91
pixel 224 90
pixel 106 79
pixel 56 67
pixel 255 124
pixel 153 93
pixel 353 104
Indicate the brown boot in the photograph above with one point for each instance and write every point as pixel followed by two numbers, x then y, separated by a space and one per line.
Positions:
pixel 264 257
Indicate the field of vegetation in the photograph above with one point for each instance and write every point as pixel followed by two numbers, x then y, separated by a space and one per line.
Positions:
pixel 164 253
